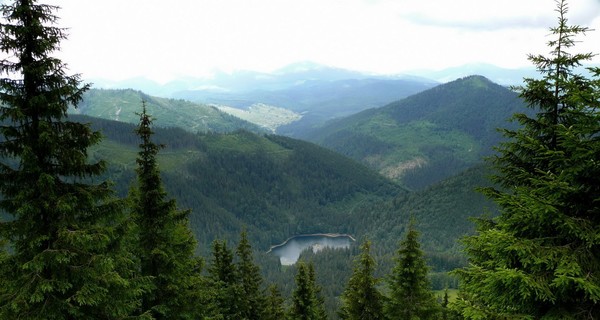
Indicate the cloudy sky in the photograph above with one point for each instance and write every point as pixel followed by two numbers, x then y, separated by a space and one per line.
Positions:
pixel 119 39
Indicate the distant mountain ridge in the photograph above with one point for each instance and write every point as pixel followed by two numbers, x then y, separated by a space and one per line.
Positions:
pixel 124 105
pixel 429 136
pixel 299 72
pixel 319 93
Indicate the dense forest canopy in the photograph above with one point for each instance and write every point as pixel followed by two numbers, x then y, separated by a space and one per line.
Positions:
pixel 114 220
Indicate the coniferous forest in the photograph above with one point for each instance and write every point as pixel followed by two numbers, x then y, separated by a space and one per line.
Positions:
pixel 95 222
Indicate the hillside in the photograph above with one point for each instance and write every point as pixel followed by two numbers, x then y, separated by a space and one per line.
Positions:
pixel 122 105
pixel 319 93
pixel 426 137
pixel 278 187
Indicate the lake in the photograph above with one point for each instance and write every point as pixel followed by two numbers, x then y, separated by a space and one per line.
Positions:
pixel 289 251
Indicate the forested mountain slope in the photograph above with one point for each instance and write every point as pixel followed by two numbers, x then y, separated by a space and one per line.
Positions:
pixel 277 187
pixel 280 187
pixel 429 136
pixel 123 104
pixel 318 92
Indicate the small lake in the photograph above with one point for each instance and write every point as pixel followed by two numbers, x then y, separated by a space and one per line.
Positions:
pixel 289 251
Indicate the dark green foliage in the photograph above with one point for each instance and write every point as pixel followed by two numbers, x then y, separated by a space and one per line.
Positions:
pixel 241 179
pixel 237 180
pixel 275 183
pixel 227 297
pixel 307 303
pixel 166 244
pixel 274 304
pixel 541 257
pixel 66 232
pixel 427 137
pixel 361 299
pixel 410 295
pixel 251 281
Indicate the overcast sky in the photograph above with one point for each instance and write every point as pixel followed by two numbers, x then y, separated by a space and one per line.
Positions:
pixel 119 39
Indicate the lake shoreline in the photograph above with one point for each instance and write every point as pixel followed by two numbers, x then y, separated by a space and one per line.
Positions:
pixel 328 235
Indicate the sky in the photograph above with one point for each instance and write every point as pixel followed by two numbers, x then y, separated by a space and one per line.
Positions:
pixel 163 40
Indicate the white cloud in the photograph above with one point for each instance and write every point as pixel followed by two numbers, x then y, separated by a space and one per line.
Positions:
pixel 127 38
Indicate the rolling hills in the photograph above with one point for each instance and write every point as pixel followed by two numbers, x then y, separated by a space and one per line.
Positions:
pixel 124 104
pixel 319 93
pixel 276 187
pixel 426 137
pixel 279 186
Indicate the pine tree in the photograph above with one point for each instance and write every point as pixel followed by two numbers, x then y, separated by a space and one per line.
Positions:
pixel 226 290
pixel 306 303
pixel 361 300
pixel 66 259
pixel 274 305
pixel 318 293
pixel 166 244
pixel 410 295
pixel 541 257
pixel 250 280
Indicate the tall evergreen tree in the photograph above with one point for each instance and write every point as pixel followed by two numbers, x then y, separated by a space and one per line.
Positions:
pixel 250 280
pixel 166 244
pixel 361 300
pixel 66 259
pixel 306 303
pixel 410 295
pixel 226 290
pixel 274 305
pixel 318 293
pixel 541 257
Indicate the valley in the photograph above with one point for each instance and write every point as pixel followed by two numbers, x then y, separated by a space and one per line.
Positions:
pixel 419 157
pixel 214 178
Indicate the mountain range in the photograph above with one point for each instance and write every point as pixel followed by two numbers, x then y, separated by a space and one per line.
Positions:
pixel 416 141
pixel 428 136
pixel 233 174
pixel 314 93
pixel 300 72
pixel 280 186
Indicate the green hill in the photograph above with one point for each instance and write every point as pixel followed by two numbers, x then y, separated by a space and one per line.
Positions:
pixel 277 187
pixel 426 137
pixel 123 104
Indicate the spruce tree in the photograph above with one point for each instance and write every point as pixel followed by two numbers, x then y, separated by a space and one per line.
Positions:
pixel 274 304
pixel 66 259
pixel 541 257
pixel 253 306
pixel 361 300
pixel 318 293
pixel 226 301
pixel 410 295
pixel 166 244
pixel 306 303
